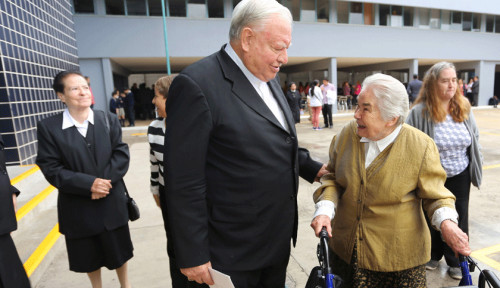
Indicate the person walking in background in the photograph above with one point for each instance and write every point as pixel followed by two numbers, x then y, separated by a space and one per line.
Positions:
pixel 81 153
pixel 316 103
pixel 446 116
pixel 293 98
pixel 475 91
pixel 91 94
pixel 414 88
pixel 12 273
pixel 113 102
pixel 156 138
pixel 469 90
pixel 461 86
pixel 232 159
pixel 356 93
pixel 327 104
pixel 129 106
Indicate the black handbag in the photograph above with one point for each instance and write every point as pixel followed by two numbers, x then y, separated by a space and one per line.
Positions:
pixel 132 207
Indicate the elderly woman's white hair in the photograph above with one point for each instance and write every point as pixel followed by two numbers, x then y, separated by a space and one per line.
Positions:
pixel 391 96
pixel 255 13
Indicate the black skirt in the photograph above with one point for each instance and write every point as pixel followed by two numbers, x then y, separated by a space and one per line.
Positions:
pixel 110 249
pixel 12 273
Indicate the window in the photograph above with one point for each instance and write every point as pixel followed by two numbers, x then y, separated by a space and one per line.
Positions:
pixel 424 18
pixel 294 7
pixel 84 6
pixel 356 15
pixel 308 13
pixel 323 10
pixel 155 7
pixel 136 7
pixel 408 16
pixel 369 13
pixel 343 12
pixel 115 7
pixel 396 16
pixel 446 19
pixel 197 9
pixel 215 8
pixel 490 23
pixel 456 20
pixel 384 14
pixel 177 8
pixel 497 24
pixel 467 21
pixel 435 22
pixel 476 22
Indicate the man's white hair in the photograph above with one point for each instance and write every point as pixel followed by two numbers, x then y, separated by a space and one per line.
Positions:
pixel 391 96
pixel 255 14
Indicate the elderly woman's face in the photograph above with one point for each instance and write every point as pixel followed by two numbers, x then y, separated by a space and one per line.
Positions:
pixel 447 84
pixel 293 87
pixel 369 119
pixel 159 102
pixel 76 92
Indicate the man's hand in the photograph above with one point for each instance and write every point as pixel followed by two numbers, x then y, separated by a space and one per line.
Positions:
pixel 157 200
pixel 199 274
pixel 14 199
pixel 455 238
pixel 321 221
pixel 321 172
pixel 100 188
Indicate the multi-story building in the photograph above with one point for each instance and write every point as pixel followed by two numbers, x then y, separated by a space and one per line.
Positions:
pixel 37 40
pixel 341 40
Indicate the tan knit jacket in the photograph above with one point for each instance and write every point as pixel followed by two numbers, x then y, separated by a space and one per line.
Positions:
pixel 380 207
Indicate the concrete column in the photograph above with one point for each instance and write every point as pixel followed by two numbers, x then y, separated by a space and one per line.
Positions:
pixel 107 73
pixel 486 74
pixel 413 69
pixel 228 9
pixel 333 11
pixel 377 15
pixel 100 7
pixel 310 76
pixel 332 77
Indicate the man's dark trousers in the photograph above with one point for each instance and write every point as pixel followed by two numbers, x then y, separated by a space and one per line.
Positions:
pixel 327 115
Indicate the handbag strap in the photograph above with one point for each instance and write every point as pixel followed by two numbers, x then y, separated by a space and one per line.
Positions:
pixel 106 121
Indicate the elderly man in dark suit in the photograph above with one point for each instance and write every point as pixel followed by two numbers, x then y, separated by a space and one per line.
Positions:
pixel 12 273
pixel 232 160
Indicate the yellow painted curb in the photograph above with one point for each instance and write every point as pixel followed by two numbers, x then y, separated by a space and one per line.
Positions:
pixel 491 166
pixel 138 134
pixel 23 175
pixel 482 255
pixel 488 133
pixel 33 202
pixel 41 251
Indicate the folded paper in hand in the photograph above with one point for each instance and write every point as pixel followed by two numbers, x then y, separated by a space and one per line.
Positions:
pixel 221 280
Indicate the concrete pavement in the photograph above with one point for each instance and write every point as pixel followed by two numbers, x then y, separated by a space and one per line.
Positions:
pixel 149 267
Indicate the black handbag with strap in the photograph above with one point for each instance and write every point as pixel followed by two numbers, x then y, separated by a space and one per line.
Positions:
pixel 133 208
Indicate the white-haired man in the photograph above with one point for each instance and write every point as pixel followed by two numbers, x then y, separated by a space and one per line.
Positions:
pixel 383 173
pixel 231 157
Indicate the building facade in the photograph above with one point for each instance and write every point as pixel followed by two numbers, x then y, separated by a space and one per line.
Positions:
pixel 37 40
pixel 340 40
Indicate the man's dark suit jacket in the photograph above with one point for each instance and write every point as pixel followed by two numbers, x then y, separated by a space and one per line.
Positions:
pixel 68 164
pixel 231 170
pixel 475 87
pixel 413 88
pixel 8 221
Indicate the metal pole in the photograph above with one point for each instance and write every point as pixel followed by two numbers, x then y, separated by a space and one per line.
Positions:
pixel 165 35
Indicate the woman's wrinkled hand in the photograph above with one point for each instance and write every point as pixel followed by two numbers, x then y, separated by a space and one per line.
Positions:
pixel 319 222
pixel 100 188
pixel 455 238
